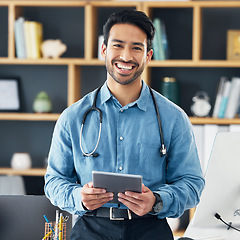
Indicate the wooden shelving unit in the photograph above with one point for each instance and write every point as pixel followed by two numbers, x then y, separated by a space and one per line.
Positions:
pixel 75 65
pixel 15 9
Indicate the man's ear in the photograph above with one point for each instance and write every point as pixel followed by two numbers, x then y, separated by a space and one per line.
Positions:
pixel 149 55
pixel 103 50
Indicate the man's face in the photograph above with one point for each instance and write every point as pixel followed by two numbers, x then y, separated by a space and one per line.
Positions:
pixel 126 53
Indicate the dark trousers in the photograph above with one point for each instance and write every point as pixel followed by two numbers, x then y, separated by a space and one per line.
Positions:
pixel 97 228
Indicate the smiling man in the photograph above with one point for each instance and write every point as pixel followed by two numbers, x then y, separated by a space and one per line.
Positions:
pixel 125 60
pixel 129 140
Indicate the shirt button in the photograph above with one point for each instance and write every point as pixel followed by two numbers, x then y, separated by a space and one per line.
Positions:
pixel 121 138
pixel 120 168
pixel 121 110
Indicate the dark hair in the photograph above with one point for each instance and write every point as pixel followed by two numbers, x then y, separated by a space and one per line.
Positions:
pixel 133 17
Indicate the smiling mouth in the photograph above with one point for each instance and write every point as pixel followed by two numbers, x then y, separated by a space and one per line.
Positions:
pixel 125 66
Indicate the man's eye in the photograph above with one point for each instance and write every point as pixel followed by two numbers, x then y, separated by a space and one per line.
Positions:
pixel 137 48
pixel 117 45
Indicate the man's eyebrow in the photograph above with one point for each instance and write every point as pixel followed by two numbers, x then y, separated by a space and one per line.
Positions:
pixel 134 43
pixel 117 40
pixel 138 44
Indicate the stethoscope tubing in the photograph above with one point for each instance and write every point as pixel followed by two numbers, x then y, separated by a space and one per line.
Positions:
pixel 92 108
pixel 94 150
pixel 163 150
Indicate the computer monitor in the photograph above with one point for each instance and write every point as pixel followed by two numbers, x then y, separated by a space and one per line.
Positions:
pixel 221 194
pixel 21 217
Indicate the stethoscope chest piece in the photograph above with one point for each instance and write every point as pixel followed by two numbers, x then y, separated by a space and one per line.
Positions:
pixel 163 150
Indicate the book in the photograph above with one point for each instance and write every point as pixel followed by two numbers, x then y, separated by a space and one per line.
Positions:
pixel 219 96
pixel 20 38
pixel 33 32
pixel 35 38
pixel 164 41
pixel 158 51
pixel 27 35
pixel 234 97
pixel 224 101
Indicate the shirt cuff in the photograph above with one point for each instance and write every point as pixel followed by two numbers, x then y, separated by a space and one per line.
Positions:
pixel 167 201
pixel 78 201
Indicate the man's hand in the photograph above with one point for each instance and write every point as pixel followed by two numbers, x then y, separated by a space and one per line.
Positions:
pixel 93 198
pixel 139 203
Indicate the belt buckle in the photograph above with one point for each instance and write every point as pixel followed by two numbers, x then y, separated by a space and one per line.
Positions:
pixel 119 219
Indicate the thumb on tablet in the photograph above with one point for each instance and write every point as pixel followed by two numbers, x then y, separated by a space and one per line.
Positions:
pixel 90 184
pixel 144 188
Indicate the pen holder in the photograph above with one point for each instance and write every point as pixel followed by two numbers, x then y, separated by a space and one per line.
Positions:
pixel 52 237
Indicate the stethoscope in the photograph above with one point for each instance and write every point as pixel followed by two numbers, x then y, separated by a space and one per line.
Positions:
pixel 93 153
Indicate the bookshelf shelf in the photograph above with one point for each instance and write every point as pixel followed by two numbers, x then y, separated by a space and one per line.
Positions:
pixel 55 116
pixel 198 63
pixel 218 121
pixel 95 61
pixel 28 172
pixel 29 116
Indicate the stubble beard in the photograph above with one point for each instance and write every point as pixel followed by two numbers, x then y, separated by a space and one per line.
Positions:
pixel 120 80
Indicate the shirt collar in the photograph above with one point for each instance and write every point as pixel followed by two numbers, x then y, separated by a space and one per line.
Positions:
pixel 141 102
pixel 105 93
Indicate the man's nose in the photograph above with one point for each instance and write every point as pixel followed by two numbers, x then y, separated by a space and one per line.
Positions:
pixel 126 55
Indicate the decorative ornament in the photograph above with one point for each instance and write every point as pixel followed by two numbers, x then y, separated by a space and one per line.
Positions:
pixel 201 106
pixel 42 103
pixel 21 161
pixel 53 48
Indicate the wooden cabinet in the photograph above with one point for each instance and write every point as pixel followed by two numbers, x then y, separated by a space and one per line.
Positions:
pixel 196 32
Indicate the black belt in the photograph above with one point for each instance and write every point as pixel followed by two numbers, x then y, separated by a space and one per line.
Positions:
pixel 115 214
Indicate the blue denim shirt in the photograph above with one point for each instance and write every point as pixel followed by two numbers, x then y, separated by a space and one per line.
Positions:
pixel 129 143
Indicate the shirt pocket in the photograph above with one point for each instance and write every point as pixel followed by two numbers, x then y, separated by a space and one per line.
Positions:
pixel 152 165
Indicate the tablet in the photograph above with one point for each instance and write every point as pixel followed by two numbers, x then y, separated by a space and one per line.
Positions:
pixel 117 182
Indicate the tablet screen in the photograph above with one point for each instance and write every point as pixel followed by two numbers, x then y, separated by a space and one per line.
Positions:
pixel 117 182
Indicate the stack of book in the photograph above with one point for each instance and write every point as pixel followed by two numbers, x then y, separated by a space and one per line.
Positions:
pixel 160 42
pixel 228 98
pixel 28 38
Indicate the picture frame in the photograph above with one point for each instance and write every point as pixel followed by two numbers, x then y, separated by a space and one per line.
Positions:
pixel 9 95
pixel 233 45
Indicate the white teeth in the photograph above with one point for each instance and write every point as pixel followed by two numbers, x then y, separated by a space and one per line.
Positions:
pixel 124 67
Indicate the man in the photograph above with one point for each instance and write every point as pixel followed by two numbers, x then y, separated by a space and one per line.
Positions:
pixel 129 143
